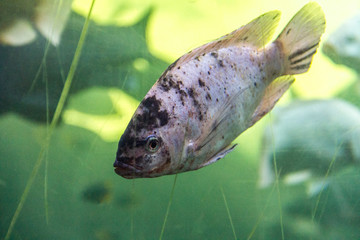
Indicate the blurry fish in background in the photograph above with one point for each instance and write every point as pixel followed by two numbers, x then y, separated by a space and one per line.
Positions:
pixel 127 200
pixel 100 192
pixel 21 20
pixel 103 192
pixel 105 234
pixel 212 94
pixel 310 139
pixel 343 45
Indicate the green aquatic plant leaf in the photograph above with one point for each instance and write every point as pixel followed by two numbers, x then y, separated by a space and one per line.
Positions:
pixel 114 56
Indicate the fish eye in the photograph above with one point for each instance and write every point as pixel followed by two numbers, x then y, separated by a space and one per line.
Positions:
pixel 152 144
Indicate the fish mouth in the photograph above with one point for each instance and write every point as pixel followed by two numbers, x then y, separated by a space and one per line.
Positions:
pixel 125 170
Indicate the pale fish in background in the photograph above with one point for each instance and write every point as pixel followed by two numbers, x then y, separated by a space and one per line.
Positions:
pixel 21 19
pixel 343 45
pixel 209 96
pixel 311 142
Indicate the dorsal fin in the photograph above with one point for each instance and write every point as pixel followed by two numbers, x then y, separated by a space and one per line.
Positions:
pixel 257 33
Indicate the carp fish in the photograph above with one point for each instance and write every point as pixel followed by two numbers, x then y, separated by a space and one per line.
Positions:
pixel 212 94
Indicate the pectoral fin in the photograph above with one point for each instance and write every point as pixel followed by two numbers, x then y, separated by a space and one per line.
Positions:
pixel 272 94
pixel 218 156
pixel 219 125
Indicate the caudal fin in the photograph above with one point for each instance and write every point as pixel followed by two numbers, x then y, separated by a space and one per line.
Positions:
pixel 300 38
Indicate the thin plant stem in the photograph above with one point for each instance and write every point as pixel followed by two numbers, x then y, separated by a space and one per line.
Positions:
pixel 168 209
pixel 55 119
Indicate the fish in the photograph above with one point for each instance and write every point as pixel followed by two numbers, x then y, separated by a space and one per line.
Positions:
pixel 343 45
pixel 312 140
pixel 209 96
pixel 22 20
pixel 97 193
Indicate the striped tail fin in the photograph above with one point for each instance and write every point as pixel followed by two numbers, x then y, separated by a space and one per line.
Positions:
pixel 300 38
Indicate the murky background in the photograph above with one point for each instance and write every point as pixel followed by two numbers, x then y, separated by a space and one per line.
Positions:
pixel 294 175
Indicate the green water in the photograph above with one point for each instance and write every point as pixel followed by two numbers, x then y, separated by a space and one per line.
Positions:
pixel 56 174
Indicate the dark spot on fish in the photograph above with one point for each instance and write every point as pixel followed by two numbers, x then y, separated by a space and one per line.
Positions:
pixel 201 83
pixel 178 67
pixel 208 96
pixel 214 54
pixel 197 58
pixel 255 84
pixel 221 63
pixel 166 83
pixel 288 31
pixel 151 117
pixel 126 140
pixel 196 65
pixel 208 72
pixel 245 38
pixel 184 72
pixel 192 94
pixel 183 94
pixel 124 159
pixel 164 117
pixel 217 100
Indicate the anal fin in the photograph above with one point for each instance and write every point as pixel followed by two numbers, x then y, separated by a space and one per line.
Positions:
pixel 272 94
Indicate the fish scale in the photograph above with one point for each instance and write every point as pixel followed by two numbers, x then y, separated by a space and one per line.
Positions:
pixel 209 96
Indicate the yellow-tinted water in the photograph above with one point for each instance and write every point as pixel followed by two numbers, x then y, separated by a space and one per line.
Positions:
pixel 306 155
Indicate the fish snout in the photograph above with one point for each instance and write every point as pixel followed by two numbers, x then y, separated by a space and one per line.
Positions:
pixel 124 168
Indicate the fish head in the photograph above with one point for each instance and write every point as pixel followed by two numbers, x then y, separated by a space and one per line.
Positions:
pixel 143 149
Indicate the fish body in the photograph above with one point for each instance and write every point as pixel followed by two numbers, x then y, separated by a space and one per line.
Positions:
pixel 209 96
